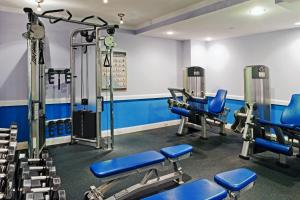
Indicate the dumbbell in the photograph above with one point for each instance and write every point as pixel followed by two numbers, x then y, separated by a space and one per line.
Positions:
pixel 33 186
pixel 44 161
pixel 8 142
pixel 48 171
pixel 7 154
pixel 58 195
pixel 8 172
pixel 9 193
pixel 7 130
pixel 9 133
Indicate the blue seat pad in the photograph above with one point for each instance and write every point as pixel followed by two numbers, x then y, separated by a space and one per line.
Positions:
pixel 279 125
pixel 124 164
pixel 235 180
pixel 197 190
pixel 180 111
pixel 176 151
pixel 274 146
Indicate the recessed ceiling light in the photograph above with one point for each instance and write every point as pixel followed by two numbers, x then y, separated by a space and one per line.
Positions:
pixel 170 33
pixel 258 10
pixel 105 1
pixel 208 39
pixel 297 23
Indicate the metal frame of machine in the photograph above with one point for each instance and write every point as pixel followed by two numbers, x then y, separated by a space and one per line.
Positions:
pixel 108 42
pixel 35 36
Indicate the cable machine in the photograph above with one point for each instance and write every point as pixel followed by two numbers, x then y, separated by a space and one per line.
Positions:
pixel 86 123
pixel 35 36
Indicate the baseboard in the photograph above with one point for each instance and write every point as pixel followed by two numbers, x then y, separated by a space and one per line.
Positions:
pixel 120 131
pixel 145 127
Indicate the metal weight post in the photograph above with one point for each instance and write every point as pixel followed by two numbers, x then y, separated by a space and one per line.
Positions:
pixel 36 85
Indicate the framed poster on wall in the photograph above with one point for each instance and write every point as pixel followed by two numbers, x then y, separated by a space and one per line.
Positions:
pixel 119 71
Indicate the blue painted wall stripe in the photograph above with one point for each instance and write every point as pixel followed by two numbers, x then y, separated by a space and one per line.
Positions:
pixel 128 113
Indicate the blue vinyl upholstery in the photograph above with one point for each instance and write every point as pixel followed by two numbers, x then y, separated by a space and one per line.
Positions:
pixel 180 111
pixel 279 125
pixel 235 180
pixel 291 114
pixel 176 151
pixel 274 146
pixel 197 190
pixel 217 104
pixel 125 164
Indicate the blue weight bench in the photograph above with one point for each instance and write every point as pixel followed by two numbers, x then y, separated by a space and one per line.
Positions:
pixel 215 114
pixel 227 184
pixel 289 127
pixel 149 163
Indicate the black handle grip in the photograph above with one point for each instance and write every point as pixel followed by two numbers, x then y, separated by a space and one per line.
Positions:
pixel 57 11
pixel 52 11
pixel 27 10
pixel 99 18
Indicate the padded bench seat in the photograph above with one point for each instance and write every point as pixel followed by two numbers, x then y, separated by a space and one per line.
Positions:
pixel 176 151
pixel 197 190
pixel 181 111
pixel 126 163
pixel 274 146
pixel 235 180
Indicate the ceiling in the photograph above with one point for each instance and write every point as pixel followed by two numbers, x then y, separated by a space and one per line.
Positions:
pixel 234 21
pixel 187 19
pixel 137 11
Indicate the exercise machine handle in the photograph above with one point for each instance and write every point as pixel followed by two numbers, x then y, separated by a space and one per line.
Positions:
pixel 57 11
pixel 99 18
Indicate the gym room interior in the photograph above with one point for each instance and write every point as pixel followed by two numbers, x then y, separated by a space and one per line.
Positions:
pixel 149 99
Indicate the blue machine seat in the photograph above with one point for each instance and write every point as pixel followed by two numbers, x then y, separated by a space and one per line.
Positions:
pixel 180 111
pixel 235 180
pixel 217 104
pixel 176 151
pixel 274 146
pixel 125 164
pixel 291 114
pixel 197 190
pixel 279 125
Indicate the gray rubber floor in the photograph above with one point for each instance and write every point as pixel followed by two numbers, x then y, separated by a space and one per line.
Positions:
pixel 211 156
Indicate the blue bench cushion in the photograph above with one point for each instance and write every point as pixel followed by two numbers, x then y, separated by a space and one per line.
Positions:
pixel 125 164
pixel 235 180
pixel 180 111
pixel 279 125
pixel 176 151
pixel 274 146
pixel 197 190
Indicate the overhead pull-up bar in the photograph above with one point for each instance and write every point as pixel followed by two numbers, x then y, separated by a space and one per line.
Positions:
pixel 55 19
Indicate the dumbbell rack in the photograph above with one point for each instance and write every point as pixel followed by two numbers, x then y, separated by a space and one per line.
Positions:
pixel 8 147
pixel 22 178
pixel 38 179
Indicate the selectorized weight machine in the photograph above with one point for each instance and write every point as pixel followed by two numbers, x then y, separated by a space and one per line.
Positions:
pixel 37 73
pixel 254 120
pixel 195 109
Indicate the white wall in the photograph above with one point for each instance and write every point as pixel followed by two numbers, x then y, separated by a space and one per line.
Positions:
pixel 226 59
pixel 152 63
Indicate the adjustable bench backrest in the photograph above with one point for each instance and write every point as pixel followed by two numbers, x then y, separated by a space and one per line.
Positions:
pixel 217 104
pixel 291 114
